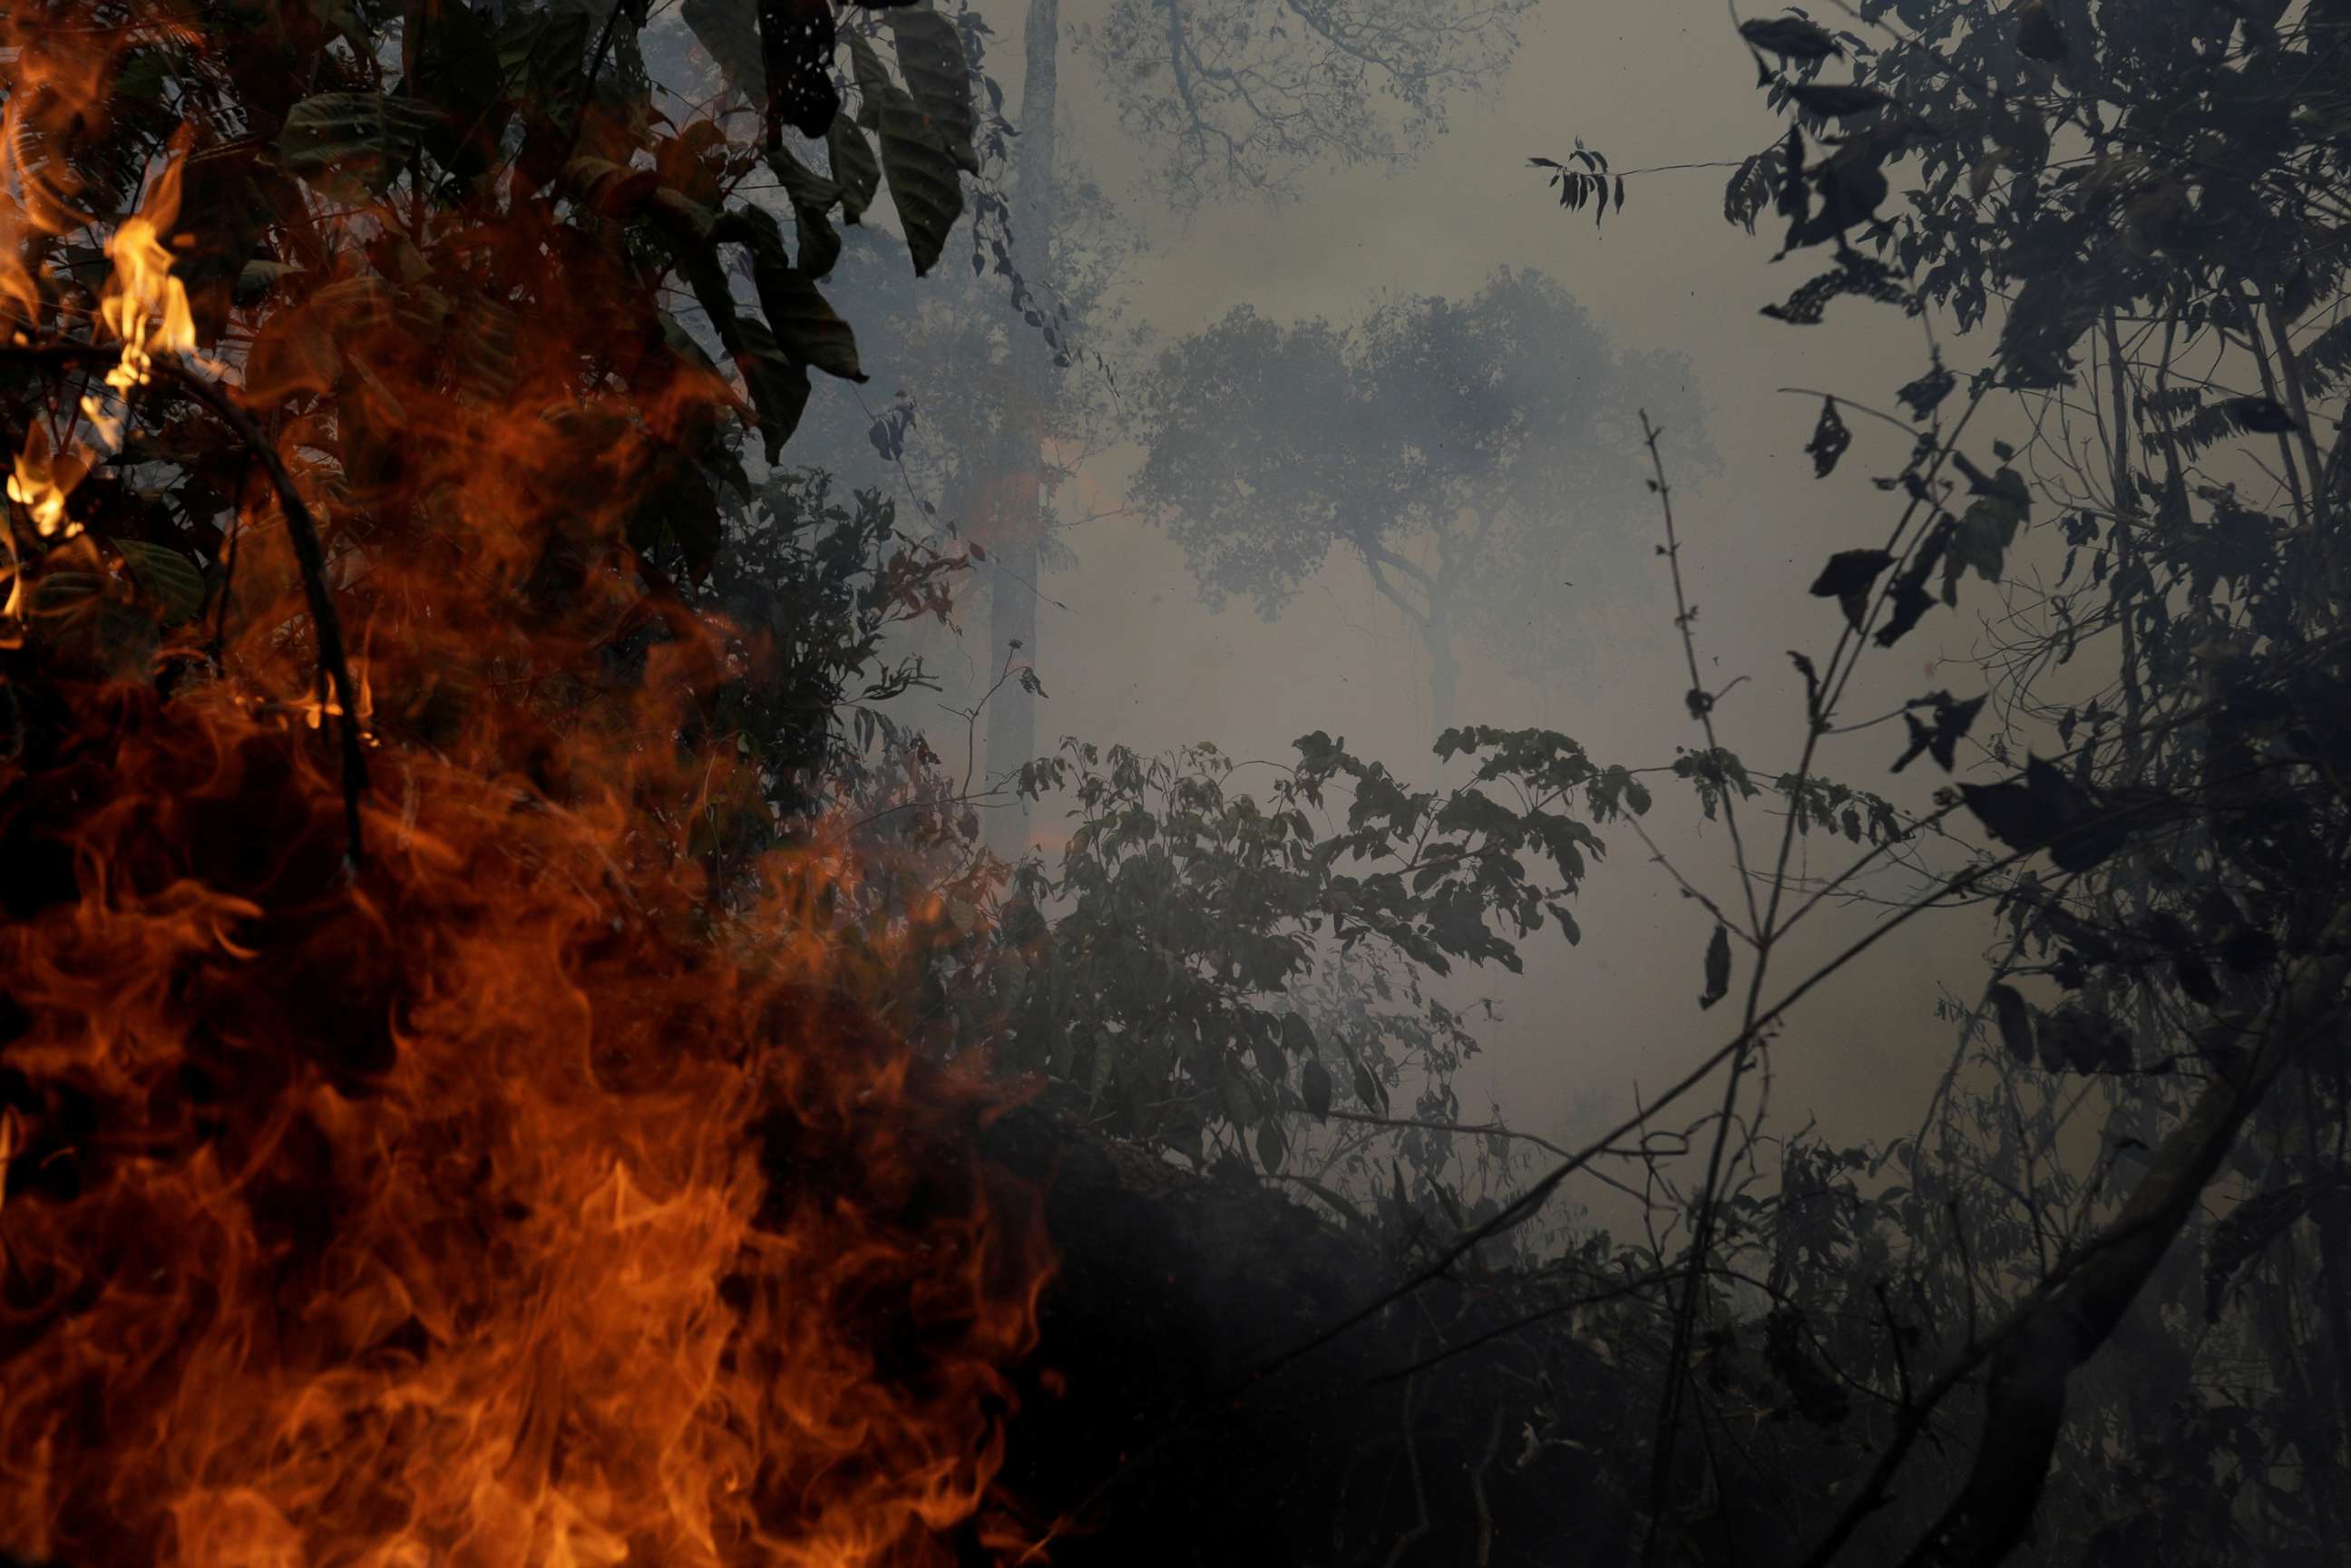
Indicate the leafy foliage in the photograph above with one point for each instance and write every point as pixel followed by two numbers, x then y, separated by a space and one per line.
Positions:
pixel 1436 444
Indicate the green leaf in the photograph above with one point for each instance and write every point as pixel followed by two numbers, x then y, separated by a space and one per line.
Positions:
pixel 807 330
pixel 169 576
pixel 931 58
pixel 922 171
pixel 854 167
pixel 543 57
pixel 65 593
pixel 729 31
pixel 350 145
pixel 1270 1143
pixel 813 197
pixel 779 386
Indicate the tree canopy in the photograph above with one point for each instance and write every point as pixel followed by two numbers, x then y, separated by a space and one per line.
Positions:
pixel 1479 459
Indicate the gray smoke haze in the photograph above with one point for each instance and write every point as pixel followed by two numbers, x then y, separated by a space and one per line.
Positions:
pixel 1129 653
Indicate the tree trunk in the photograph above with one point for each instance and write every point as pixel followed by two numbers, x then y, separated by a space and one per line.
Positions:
pixel 1015 523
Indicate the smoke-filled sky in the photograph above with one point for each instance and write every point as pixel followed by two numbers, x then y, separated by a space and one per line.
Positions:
pixel 1129 653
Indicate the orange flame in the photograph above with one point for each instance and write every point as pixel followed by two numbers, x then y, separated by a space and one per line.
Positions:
pixel 523 1197
pixel 144 305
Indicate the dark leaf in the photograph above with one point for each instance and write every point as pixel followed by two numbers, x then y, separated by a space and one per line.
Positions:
pixel 729 30
pixel 1790 38
pixel 2015 1020
pixel 2263 417
pixel 169 578
pixel 931 58
pixel 854 167
pixel 796 43
pixel 2197 981
pixel 1832 100
pixel 2037 33
pixel 779 387
pixel 1848 579
pixel 2249 949
pixel 1941 739
pixel 925 183
pixel 1910 599
pixel 1269 1059
pixel 2047 811
pixel 807 330
pixel 2249 1227
pixel 1297 1036
pixel 1924 394
pixel 350 145
pixel 1718 967
pixel 1830 439
pixel 1314 1084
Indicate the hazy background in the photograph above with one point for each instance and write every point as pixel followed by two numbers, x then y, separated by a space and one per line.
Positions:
pixel 1129 653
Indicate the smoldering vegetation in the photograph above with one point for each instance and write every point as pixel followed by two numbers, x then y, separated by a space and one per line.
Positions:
pixel 1337 782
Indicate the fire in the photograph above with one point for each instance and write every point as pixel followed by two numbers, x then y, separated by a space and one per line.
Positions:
pixel 517 1196
pixel 145 306
pixel 319 707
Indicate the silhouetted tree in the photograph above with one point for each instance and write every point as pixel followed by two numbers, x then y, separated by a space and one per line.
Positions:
pixel 1479 459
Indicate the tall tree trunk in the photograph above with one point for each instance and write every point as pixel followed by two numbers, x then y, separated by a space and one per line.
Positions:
pixel 1016 520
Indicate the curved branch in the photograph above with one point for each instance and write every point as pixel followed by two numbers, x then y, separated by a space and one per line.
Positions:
pixel 301 529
